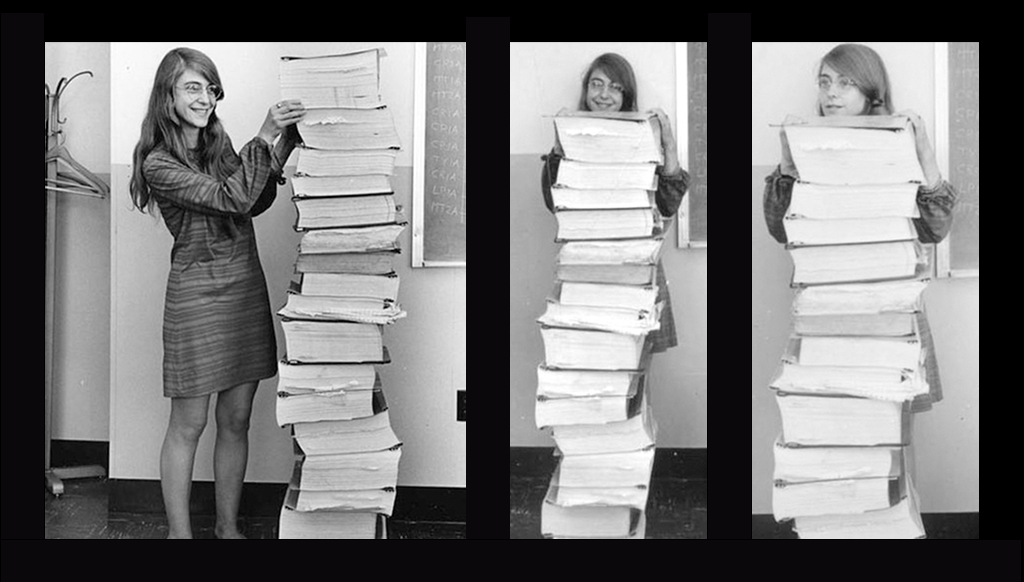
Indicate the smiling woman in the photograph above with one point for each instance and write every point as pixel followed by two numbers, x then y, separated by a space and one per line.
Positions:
pixel 218 335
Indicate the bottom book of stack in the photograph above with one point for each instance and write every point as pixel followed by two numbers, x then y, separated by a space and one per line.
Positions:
pixel 600 487
pixel 841 468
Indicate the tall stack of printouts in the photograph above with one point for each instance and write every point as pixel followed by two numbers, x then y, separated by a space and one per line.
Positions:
pixel 344 292
pixel 854 369
pixel 593 388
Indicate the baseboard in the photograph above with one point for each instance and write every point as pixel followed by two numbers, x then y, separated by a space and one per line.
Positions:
pixel 668 463
pixel 441 504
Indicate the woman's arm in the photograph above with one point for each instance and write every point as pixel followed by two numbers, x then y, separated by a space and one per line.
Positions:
pixel 936 208
pixel 778 191
pixel 171 179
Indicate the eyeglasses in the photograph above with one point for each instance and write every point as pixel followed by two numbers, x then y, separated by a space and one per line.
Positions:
pixel 844 84
pixel 613 88
pixel 195 90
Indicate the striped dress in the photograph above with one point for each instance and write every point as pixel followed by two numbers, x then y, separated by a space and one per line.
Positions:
pixel 218 330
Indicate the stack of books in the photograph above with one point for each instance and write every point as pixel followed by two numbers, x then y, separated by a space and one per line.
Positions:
pixel 855 363
pixel 344 293
pixel 593 387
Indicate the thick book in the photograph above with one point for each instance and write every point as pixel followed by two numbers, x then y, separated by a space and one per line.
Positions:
pixel 589 409
pixel 608 224
pixel 349 129
pixel 614 319
pixel 328 342
pixel 827 151
pixel 295 405
pixel 593 199
pixel 345 162
pixel 837 202
pixel 329 437
pixel 813 231
pixel 317 186
pixel 345 80
pixel 331 525
pixel 592 350
pixel 349 471
pixel 367 263
pixel 635 433
pixel 329 308
pixel 558 383
pixel 889 382
pixel 797 464
pixel 903 353
pixel 608 175
pixel 344 211
pixel 596 495
pixel 901 521
pixel 644 251
pixel 591 522
pixel 351 240
pixel 822 420
pixel 898 296
pixel 836 497
pixel 591 136
pixel 851 263
pixel 383 286
pixel 628 469
pixel 365 500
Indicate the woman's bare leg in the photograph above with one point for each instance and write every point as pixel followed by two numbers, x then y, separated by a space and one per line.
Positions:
pixel 231 454
pixel 188 419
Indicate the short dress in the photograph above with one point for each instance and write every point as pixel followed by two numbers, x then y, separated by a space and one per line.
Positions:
pixel 218 331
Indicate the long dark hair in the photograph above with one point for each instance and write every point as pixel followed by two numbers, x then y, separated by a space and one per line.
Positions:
pixel 863 66
pixel 619 71
pixel 162 128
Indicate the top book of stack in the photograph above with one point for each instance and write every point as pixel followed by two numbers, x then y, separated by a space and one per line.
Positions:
pixel 855 150
pixel 346 80
pixel 620 137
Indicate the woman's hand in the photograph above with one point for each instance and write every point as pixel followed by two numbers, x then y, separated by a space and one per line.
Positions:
pixel 925 153
pixel 280 116
pixel 668 143
pixel 788 167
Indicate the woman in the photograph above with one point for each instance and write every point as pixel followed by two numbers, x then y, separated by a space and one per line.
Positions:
pixel 218 334
pixel 610 85
pixel 852 80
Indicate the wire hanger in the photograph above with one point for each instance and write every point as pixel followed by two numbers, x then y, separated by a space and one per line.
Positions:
pixel 78 180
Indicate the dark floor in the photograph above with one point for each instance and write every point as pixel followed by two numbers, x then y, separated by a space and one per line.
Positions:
pixel 81 513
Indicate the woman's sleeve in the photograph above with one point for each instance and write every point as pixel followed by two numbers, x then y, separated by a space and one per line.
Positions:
pixel 548 176
pixel 778 190
pixel 239 193
pixel 936 208
pixel 671 189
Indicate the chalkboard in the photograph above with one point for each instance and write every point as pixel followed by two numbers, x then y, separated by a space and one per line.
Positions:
pixel 439 168
pixel 964 156
pixel 692 90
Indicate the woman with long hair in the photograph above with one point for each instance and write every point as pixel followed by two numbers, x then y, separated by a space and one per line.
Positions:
pixel 852 80
pixel 218 334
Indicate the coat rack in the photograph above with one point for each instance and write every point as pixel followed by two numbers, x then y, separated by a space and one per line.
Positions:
pixel 73 179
